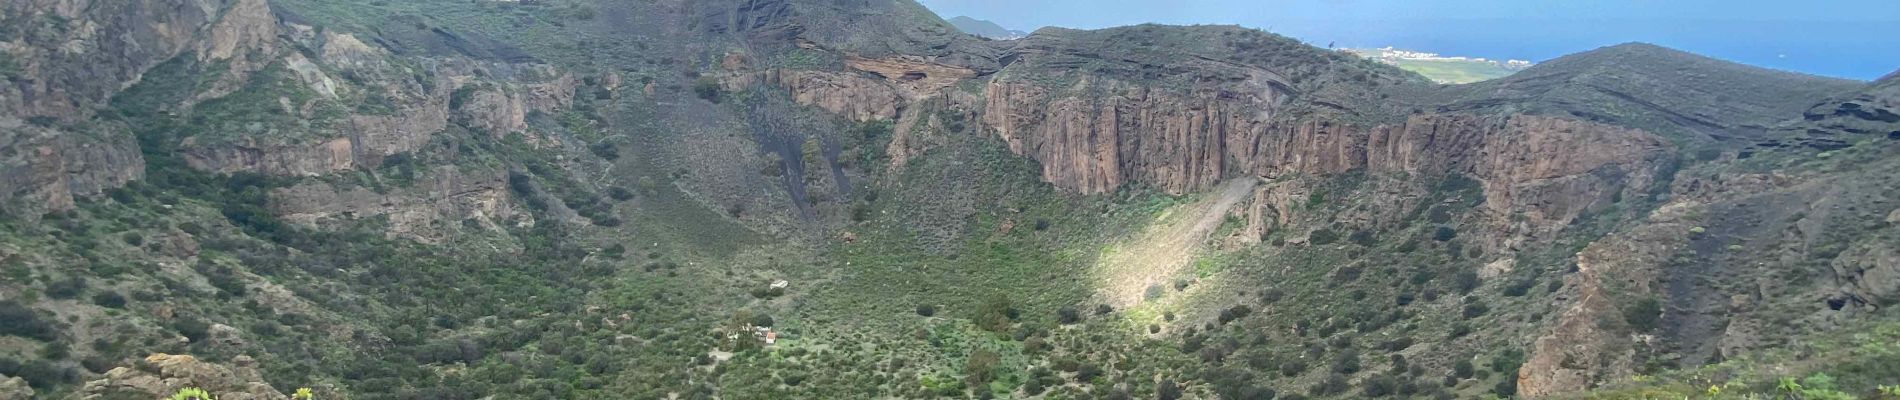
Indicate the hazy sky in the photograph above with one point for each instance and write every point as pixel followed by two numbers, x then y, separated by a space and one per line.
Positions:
pixel 1857 39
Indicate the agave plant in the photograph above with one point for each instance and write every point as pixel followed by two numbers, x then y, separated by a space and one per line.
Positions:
pixel 1789 387
pixel 191 393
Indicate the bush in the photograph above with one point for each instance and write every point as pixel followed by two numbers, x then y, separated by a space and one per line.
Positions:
pixel 1362 238
pixel 1644 314
pixel 1168 390
pixel 40 374
pixel 1458 330
pixel 192 329
pixel 1444 234
pixel 1068 315
pixel 1520 288
pixel 1292 368
pixel 1321 237
pixel 995 314
pixel 1271 295
pixel 1465 281
pixel 1103 309
pixel 707 88
pixel 1333 384
pixel 1506 387
pixel 1463 369
pixel 1346 362
pixel 18 320
pixel 109 299
pixel 66 288
pixel 1475 309
pixel 1236 312
pixel 1087 372
pixel 1507 361
pixel 620 193
pixel 1380 386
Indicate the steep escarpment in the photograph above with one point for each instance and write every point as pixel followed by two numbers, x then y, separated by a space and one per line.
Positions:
pixel 355 104
pixel 1099 115
pixel 1098 122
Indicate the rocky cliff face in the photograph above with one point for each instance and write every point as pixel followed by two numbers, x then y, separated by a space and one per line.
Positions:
pixel 1546 171
pixel 1091 144
pixel 47 168
pixel 161 375
pixel 57 152
pixel 411 100
pixel 419 213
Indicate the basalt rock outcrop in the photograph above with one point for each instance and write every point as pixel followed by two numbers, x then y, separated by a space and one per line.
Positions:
pixel 161 375
pixel 420 212
pixel 382 104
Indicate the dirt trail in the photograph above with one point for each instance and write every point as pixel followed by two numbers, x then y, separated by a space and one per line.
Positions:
pixel 1166 247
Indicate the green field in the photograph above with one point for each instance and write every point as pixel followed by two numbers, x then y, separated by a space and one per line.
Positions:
pixel 1455 71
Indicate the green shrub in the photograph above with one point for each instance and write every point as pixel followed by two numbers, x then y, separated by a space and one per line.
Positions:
pixel 1232 313
pixel 708 88
pixel 1643 314
pixel 1321 237
pixel 995 314
pixel 109 299
pixel 1363 238
pixel 1068 315
pixel 1292 368
pixel 1475 309
pixel 1458 330
pixel 1444 234
pixel 1346 362
pixel 1465 281
pixel 66 288
pixel 18 320
pixel 1380 386
pixel 1331 385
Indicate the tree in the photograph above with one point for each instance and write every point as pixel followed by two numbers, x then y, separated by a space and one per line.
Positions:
pixel 981 367
pixel 994 314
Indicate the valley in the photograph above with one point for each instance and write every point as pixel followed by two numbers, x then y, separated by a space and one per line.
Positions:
pixel 450 199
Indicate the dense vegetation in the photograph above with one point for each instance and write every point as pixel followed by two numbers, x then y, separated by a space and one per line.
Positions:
pixel 628 255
